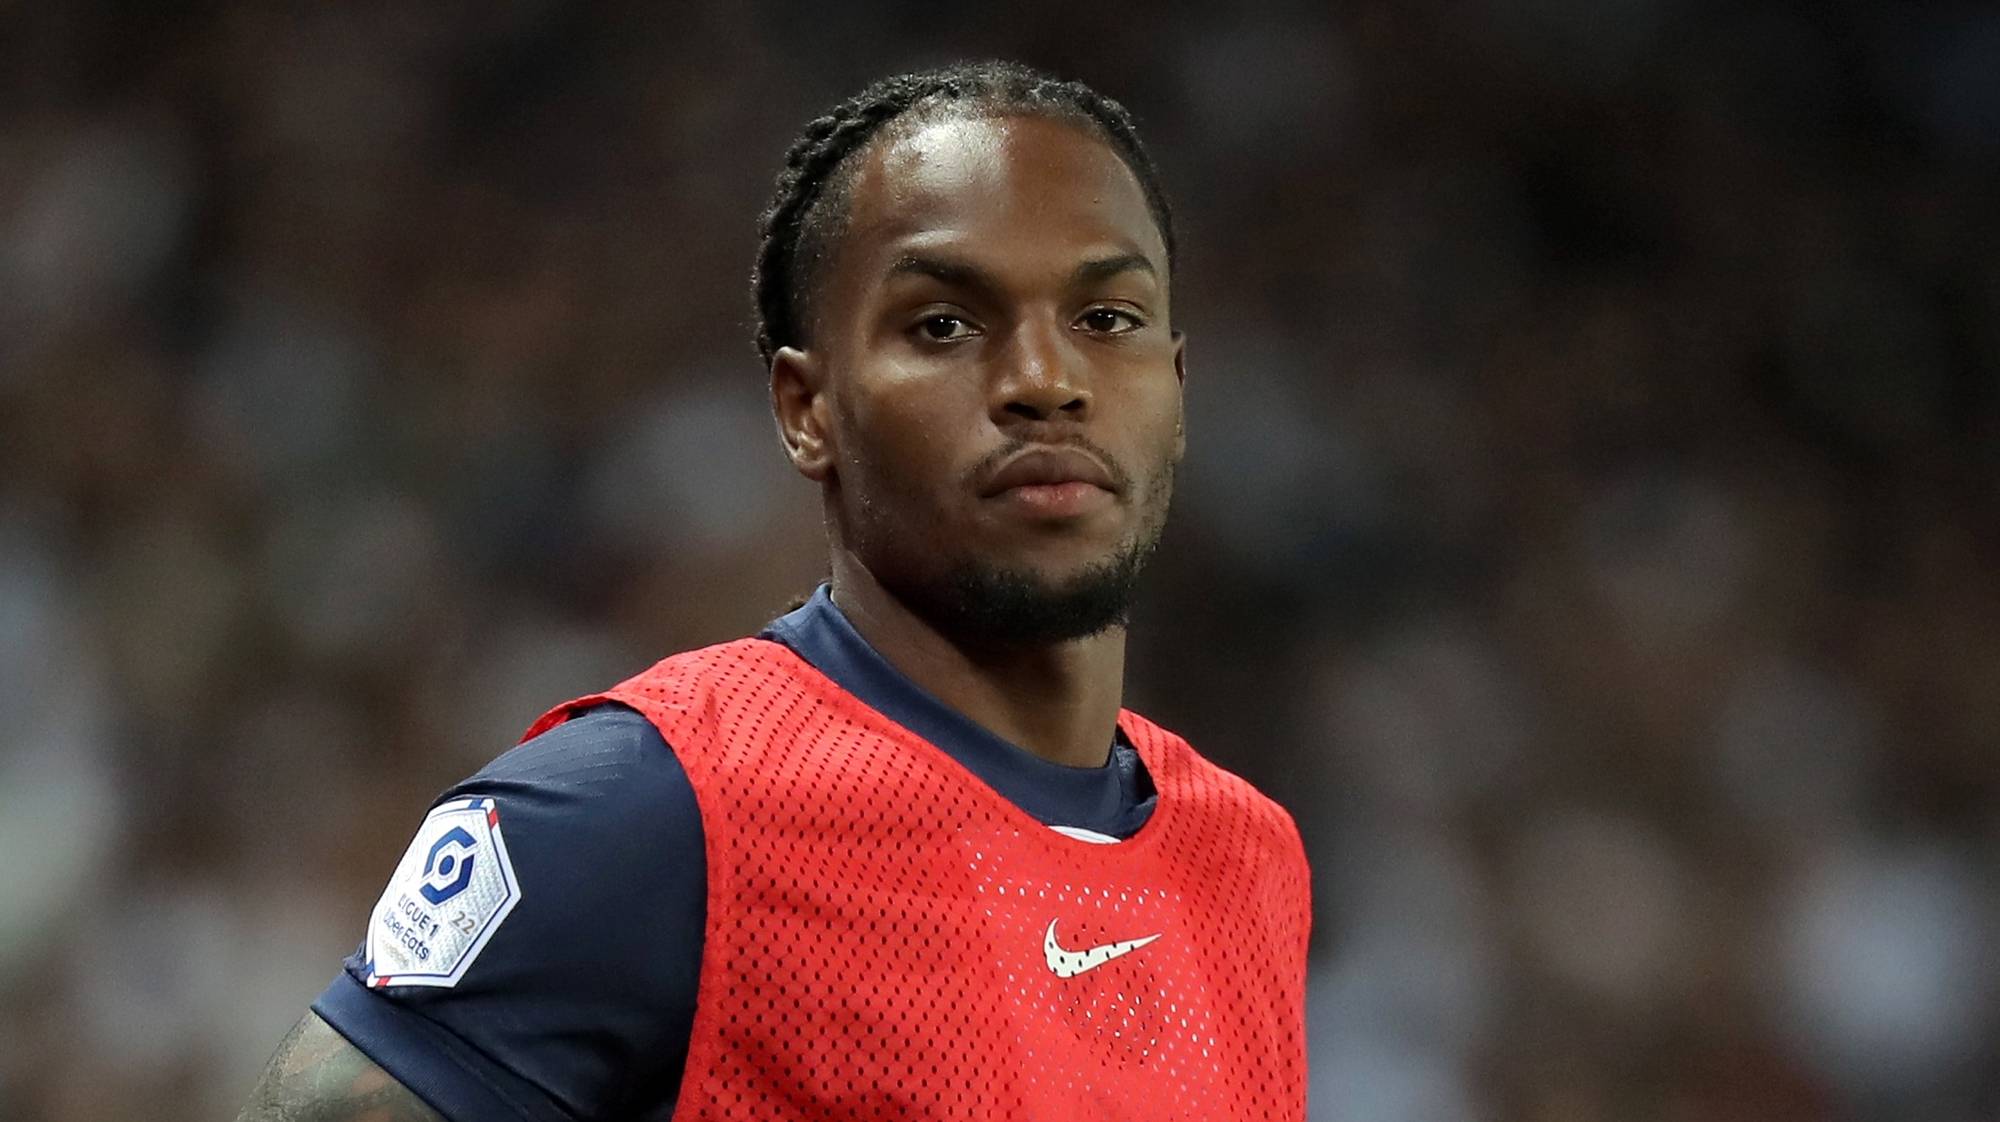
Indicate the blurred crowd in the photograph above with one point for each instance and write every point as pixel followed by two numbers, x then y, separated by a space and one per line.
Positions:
pixel 1591 530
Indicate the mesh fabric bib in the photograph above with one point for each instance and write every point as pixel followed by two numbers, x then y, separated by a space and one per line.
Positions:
pixel 889 938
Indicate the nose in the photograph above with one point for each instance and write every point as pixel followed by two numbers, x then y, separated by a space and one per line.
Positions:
pixel 1040 378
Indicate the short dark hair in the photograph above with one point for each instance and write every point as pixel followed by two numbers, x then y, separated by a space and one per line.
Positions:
pixel 805 208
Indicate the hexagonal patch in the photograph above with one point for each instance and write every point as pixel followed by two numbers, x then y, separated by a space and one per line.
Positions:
pixel 449 894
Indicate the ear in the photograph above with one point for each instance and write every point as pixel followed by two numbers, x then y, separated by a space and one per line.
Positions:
pixel 1180 375
pixel 799 403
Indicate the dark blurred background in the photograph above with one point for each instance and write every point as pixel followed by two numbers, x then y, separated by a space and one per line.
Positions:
pixel 1589 533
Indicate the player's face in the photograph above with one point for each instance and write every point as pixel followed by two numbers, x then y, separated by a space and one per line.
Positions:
pixel 1001 378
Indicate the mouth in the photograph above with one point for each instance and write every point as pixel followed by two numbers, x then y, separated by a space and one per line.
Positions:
pixel 1053 483
pixel 1056 500
pixel 1060 469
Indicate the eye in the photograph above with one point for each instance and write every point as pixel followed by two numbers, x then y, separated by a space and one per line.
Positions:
pixel 942 328
pixel 1109 321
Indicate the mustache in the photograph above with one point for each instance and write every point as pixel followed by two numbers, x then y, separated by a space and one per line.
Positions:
pixel 1120 478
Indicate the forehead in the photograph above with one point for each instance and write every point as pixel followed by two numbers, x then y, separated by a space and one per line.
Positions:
pixel 996 187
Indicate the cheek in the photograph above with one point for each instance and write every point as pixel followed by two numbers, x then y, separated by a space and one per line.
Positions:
pixel 909 430
pixel 1164 430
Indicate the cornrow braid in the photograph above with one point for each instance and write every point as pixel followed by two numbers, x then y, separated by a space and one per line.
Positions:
pixel 809 201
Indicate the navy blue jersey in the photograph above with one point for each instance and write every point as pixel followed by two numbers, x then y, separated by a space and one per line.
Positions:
pixel 571 991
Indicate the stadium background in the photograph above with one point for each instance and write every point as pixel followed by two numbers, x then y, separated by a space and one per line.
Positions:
pixel 1590 532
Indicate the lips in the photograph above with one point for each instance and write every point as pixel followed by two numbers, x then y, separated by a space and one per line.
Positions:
pixel 1048 467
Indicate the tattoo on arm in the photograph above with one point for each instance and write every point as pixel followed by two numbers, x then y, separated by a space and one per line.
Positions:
pixel 317 1076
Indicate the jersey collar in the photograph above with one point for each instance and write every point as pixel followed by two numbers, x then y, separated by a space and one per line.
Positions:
pixel 1114 799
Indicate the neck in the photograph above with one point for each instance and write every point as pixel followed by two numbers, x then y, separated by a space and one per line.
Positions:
pixel 1058 701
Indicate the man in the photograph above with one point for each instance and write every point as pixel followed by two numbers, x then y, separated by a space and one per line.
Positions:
pixel 903 855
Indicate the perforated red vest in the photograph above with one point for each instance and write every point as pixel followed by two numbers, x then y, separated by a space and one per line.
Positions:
pixel 890 938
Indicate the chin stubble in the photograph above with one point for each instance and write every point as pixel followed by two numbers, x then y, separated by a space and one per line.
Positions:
pixel 985 604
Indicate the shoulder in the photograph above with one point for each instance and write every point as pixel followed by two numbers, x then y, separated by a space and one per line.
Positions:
pixel 603 774
pixel 549 830
pixel 1210 790
pixel 599 747
pixel 682 693
pixel 599 787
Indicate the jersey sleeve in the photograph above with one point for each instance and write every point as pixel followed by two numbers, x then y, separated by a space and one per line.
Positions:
pixel 537 951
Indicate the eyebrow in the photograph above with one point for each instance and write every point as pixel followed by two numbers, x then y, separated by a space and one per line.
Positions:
pixel 1104 268
pixel 954 273
pixel 959 274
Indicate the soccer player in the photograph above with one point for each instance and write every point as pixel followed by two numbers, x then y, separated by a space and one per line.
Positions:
pixel 902 854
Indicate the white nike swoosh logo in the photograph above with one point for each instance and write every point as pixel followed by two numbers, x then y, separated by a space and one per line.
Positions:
pixel 1068 964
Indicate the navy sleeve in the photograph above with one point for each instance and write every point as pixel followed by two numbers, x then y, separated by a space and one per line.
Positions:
pixel 579 1004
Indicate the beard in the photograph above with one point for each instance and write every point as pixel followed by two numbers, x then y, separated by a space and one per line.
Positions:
pixel 986 605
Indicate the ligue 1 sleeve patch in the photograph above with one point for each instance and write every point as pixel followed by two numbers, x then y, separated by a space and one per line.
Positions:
pixel 448 896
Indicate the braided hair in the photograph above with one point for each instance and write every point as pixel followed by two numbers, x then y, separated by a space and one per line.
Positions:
pixel 809 203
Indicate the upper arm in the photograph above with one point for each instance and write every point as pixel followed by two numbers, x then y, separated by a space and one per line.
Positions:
pixel 317 1076
pixel 567 992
